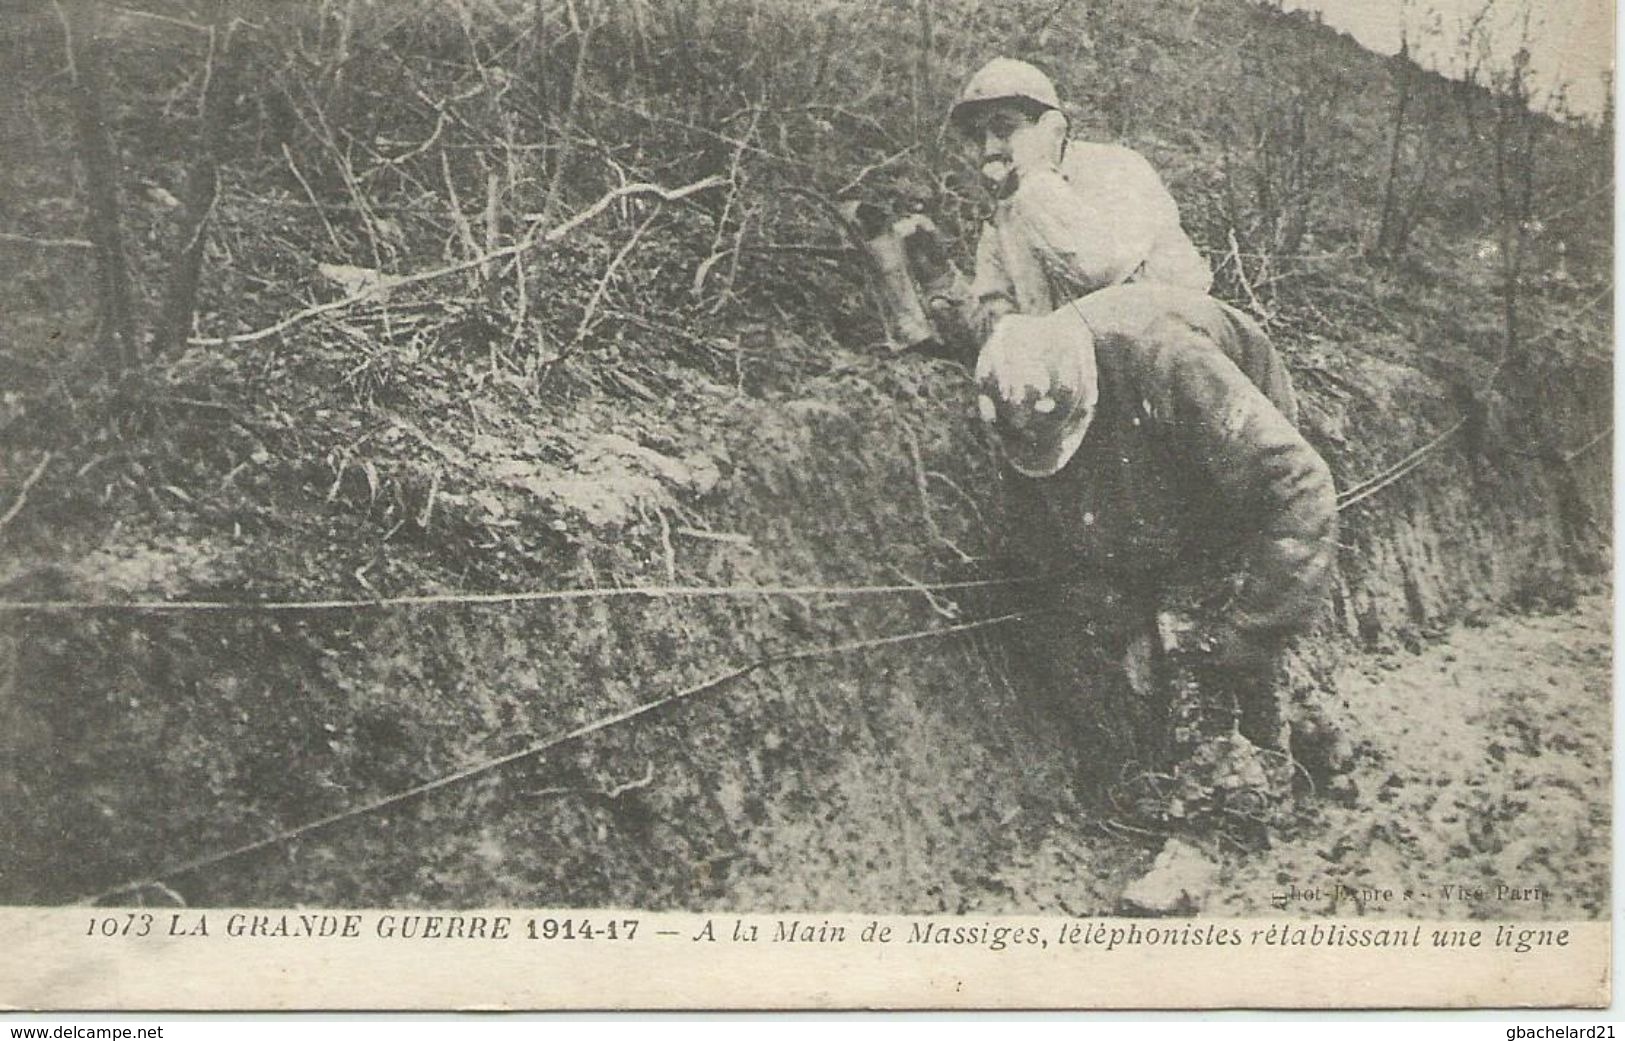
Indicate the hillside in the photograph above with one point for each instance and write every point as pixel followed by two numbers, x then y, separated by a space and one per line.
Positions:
pixel 599 387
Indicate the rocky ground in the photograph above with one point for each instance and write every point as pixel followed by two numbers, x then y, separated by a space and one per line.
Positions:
pixel 1483 784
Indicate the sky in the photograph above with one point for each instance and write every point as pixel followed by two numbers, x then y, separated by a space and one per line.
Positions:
pixel 1571 41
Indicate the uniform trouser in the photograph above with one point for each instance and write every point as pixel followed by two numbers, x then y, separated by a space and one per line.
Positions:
pixel 1099 666
pixel 1095 689
pixel 1248 696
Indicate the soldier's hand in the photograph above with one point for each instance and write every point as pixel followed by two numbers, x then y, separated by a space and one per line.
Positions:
pixel 1179 633
pixel 1038 147
pixel 996 175
pixel 1232 648
pixel 1214 643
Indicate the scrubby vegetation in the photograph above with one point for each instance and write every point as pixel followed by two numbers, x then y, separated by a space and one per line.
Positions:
pixel 485 295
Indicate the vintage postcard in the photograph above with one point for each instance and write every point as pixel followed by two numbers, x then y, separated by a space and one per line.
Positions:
pixel 558 504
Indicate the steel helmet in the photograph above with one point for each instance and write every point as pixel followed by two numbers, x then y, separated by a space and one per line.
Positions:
pixel 1037 386
pixel 999 80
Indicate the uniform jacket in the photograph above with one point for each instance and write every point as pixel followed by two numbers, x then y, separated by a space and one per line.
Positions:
pixel 1192 474
pixel 1104 218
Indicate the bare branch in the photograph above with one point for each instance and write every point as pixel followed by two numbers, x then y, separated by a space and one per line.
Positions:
pixel 392 282
pixel 26 240
pixel 577 80
pixel 609 272
pixel 166 19
pixel 1264 313
pixel 877 165
pixel 22 493
pixel 1592 442
pixel 310 194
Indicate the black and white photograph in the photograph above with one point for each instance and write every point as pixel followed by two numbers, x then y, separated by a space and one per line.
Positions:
pixel 475 469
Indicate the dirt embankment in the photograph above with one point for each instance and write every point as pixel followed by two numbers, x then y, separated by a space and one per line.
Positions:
pixel 880 779
pixel 913 778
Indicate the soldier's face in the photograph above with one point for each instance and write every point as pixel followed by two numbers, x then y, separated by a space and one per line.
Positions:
pixel 995 125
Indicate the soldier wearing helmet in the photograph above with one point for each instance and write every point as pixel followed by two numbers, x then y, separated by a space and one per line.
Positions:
pixel 1072 216
pixel 1182 522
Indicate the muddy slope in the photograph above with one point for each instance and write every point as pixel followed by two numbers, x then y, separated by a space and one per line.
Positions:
pixel 897 778
pixel 1485 782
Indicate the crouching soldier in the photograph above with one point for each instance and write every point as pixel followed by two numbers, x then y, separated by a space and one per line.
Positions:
pixel 1070 216
pixel 1184 527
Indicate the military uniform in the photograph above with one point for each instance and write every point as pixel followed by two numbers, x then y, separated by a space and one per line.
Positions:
pixel 1102 218
pixel 1155 478
pixel 1192 492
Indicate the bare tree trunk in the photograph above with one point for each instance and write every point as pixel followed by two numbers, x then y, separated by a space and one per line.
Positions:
pixel 1509 230
pixel 565 131
pixel 202 189
pixel 1514 187
pixel 1425 174
pixel 1299 188
pixel 922 83
pixel 1387 227
pixel 86 53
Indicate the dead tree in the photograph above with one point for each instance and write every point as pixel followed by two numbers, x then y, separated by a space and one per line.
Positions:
pixel 1516 133
pixel 924 97
pixel 202 188
pixel 98 162
pixel 1392 230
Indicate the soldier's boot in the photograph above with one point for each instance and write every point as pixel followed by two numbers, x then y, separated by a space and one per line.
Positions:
pixel 1323 753
pixel 1309 752
pixel 1261 719
pixel 1244 769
